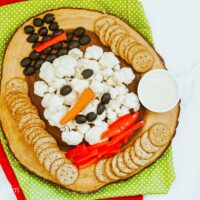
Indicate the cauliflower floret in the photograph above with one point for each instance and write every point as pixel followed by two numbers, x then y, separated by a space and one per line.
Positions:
pixel 114 92
pixel 108 59
pixel 114 105
pixel 51 90
pixel 107 73
pixel 124 75
pixel 72 137
pixel 93 52
pixel 70 99
pixel 98 77
pixel 128 75
pixel 47 72
pixel 65 66
pixel 55 118
pixel 58 83
pixel 131 100
pixel 122 89
pixel 79 85
pixel 45 100
pixel 106 87
pixel 83 128
pixel 112 116
pixel 93 65
pixel 124 110
pixel 55 103
pixel 93 136
pixel 40 88
pixel 89 108
pixel 71 125
pixel 76 53
pixel 111 82
pixel 47 113
pixel 116 67
pixel 97 87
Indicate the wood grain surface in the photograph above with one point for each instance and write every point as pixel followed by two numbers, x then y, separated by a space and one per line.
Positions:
pixel 18 48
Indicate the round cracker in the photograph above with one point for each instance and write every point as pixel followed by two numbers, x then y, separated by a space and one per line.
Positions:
pixel 34 135
pixel 128 161
pixel 115 168
pixel 44 146
pixel 45 152
pixel 140 152
pixel 109 172
pixel 137 160
pixel 129 46
pixel 41 141
pixel 159 134
pixel 100 171
pixel 117 31
pixel 115 41
pixel 101 21
pixel 16 84
pixel 39 123
pixel 24 109
pixel 109 32
pixel 134 50
pixel 122 166
pixel 122 45
pixel 147 145
pixel 142 61
pixel 51 157
pixel 102 33
pixel 67 174
pixel 56 164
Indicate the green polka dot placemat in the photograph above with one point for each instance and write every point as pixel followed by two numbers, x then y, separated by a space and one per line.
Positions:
pixel 156 179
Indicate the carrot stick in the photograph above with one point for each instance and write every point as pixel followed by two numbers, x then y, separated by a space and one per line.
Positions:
pixel 82 102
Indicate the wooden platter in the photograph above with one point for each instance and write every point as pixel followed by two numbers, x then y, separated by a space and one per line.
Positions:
pixel 18 48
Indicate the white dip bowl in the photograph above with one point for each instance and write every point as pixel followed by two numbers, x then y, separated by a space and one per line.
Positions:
pixel 158 91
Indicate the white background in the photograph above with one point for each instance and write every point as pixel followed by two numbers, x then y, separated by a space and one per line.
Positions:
pixel 176 31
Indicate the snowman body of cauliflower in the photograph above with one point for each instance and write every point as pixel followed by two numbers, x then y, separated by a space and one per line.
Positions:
pixel 107 77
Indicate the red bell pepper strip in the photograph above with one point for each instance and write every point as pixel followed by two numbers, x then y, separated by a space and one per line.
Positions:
pixel 127 133
pixel 120 119
pixel 86 156
pixel 77 151
pixel 101 144
pixel 86 163
pixel 123 126
pixel 102 152
pixel 50 42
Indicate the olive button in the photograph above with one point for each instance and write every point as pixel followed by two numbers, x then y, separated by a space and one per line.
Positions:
pixel 84 40
pixel 65 90
pixel 80 119
pixel 28 71
pixel 33 38
pixel 38 22
pixel 78 32
pixel 29 29
pixel 25 62
pixel 100 108
pixel 87 73
pixel 48 18
pixel 91 116
pixel 105 99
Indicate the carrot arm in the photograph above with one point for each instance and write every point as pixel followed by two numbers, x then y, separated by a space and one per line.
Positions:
pixel 85 98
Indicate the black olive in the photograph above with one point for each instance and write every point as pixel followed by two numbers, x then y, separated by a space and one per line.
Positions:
pixel 57 46
pixel 65 90
pixel 100 108
pixel 28 71
pixel 58 32
pixel 39 63
pixel 36 44
pixel 105 99
pixel 43 31
pixel 91 116
pixel 46 37
pixel 87 73
pixel 34 55
pixel 33 38
pixel 78 32
pixel 70 37
pixel 84 40
pixel 25 62
pixel 53 26
pixel 62 51
pixel 48 18
pixel 38 22
pixel 73 44
pixel 47 51
pixel 29 29
pixel 50 57
pixel 80 119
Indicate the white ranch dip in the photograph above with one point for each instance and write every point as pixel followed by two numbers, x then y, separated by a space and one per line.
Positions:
pixel 158 91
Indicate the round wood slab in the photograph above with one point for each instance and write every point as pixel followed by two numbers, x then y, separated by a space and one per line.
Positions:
pixel 18 48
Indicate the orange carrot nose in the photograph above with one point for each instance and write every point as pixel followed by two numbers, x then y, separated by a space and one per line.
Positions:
pixel 85 98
